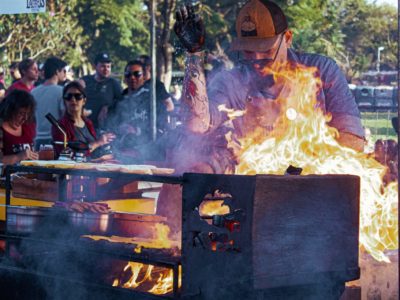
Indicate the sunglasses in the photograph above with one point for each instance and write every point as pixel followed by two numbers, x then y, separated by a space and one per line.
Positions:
pixel 263 62
pixel 76 96
pixel 137 74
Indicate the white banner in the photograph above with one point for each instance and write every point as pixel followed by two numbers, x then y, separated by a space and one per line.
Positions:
pixel 9 7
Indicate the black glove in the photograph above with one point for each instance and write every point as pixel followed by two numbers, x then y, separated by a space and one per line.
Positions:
pixel 189 28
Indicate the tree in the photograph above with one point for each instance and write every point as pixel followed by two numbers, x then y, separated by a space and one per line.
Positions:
pixel 118 27
pixel 165 50
pixel 39 35
pixel 367 27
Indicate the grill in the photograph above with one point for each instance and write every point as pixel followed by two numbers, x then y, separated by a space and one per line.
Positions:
pixel 280 237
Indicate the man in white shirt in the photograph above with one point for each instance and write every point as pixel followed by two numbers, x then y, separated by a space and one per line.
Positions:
pixel 48 98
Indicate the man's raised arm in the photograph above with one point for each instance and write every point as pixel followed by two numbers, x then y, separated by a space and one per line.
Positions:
pixel 190 30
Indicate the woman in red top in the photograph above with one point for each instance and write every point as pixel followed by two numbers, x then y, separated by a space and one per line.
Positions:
pixel 75 124
pixel 18 128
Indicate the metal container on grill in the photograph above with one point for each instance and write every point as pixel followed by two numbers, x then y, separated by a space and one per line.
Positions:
pixel 91 223
pixel 25 219
pixel 135 225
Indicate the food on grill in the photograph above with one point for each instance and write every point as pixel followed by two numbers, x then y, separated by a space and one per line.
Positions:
pixel 81 207
pixel 162 171
pixel 104 167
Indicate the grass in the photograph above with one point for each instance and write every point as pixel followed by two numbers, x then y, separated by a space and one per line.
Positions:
pixel 380 124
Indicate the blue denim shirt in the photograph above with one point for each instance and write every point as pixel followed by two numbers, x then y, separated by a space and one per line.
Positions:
pixel 233 87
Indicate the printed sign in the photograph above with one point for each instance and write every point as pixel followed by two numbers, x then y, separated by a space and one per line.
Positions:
pixel 9 7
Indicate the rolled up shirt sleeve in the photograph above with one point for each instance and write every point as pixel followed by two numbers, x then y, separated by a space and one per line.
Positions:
pixel 339 101
pixel 347 123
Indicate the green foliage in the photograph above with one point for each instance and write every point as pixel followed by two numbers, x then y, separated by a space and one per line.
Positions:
pixel 367 27
pixel 117 27
pixel 350 31
pixel 55 32
pixel 315 24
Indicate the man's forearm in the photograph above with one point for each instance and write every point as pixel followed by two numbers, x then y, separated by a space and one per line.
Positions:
pixel 351 141
pixel 195 100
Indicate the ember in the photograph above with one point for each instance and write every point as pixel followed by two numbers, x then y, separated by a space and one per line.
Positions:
pixel 304 139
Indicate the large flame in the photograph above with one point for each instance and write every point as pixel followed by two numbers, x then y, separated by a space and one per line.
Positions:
pixel 302 138
pixel 159 279
pixel 142 274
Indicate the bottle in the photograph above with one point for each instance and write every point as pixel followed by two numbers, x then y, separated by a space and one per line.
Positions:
pixel 46 152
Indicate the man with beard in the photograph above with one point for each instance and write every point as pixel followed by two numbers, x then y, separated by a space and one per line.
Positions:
pixel 264 44
pixel 264 40
pixel 161 91
pixel 130 119
pixel 102 91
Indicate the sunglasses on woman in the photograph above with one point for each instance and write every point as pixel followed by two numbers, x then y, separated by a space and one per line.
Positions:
pixel 137 74
pixel 76 96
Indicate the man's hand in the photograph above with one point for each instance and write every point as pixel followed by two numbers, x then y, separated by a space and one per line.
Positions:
pixel 189 28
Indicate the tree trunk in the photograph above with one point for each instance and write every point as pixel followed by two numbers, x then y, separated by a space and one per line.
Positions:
pixel 164 48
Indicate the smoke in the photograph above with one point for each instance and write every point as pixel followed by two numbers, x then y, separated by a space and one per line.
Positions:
pixel 62 267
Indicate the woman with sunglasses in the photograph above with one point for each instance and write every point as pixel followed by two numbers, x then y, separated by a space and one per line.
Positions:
pixel 18 129
pixel 77 127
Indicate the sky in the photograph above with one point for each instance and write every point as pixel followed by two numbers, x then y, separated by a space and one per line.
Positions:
pixel 392 2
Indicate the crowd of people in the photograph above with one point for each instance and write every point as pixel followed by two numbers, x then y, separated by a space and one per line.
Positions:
pixel 94 110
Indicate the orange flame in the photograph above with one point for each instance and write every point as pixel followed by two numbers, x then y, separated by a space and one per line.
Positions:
pixel 210 208
pixel 163 285
pixel 161 241
pixel 141 274
pixel 302 138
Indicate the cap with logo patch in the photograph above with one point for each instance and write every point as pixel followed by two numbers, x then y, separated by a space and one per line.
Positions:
pixel 258 26
pixel 102 58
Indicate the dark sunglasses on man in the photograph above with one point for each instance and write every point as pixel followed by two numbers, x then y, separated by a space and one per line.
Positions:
pixel 261 63
pixel 136 74
pixel 76 96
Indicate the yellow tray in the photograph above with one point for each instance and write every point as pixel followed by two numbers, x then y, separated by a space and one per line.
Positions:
pixel 143 205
